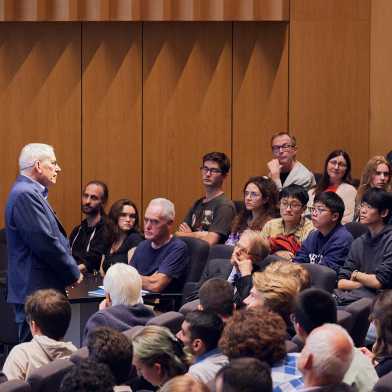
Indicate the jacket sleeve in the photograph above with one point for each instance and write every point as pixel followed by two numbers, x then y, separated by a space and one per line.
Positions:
pixel 302 255
pixel 384 270
pixel 350 265
pixel 337 253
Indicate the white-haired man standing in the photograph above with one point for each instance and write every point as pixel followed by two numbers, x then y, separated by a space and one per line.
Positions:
pixel 161 259
pixel 38 250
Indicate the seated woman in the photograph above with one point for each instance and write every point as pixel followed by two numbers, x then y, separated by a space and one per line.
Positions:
pixel 124 235
pixel 261 201
pixel 337 178
pixel 286 234
pixel 157 355
pixel 381 315
pixel 376 174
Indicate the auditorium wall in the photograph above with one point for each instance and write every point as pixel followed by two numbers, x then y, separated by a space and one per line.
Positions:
pixel 136 104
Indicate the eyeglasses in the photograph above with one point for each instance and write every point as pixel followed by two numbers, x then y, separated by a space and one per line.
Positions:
pixel 124 215
pixel 317 210
pixel 284 147
pixel 340 164
pixel 293 205
pixel 252 195
pixel 212 170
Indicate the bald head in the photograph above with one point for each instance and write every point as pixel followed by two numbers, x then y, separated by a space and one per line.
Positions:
pixel 327 355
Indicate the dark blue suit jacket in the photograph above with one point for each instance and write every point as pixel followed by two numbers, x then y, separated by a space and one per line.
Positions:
pixel 39 256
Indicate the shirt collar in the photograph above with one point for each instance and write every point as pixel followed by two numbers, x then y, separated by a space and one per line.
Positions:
pixel 207 354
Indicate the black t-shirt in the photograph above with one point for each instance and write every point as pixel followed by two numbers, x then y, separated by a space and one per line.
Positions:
pixel 283 176
pixel 214 216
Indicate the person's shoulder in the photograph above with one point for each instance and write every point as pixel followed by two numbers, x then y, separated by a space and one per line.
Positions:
pixel 307 224
pixel 345 187
pixel 303 168
pixel 177 243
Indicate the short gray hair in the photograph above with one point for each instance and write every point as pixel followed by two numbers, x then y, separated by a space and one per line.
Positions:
pixel 167 206
pixel 31 153
pixel 124 284
pixel 331 356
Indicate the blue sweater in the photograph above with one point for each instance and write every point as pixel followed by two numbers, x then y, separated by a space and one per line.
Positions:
pixel 330 250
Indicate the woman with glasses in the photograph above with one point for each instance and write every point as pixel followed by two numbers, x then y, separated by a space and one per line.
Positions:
pixel 123 225
pixel 260 206
pixel 337 178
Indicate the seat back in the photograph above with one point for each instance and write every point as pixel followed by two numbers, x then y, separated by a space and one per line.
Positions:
pixel 384 384
pixel 79 355
pixel 345 320
pixel 48 377
pixel 15 386
pixel 3 252
pixel 360 311
pixel 171 320
pixel 8 330
pixel 356 229
pixel 321 276
pixel 220 251
pixel 189 307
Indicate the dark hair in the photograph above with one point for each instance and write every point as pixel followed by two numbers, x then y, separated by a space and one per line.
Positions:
pixel 108 346
pixel 51 312
pixel 313 308
pixel 324 181
pixel 380 200
pixel 246 375
pixel 88 376
pixel 257 333
pixel 382 312
pixel 333 202
pixel 269 192
pixel 105 190
pixel 220 158
pixel 206 326
pixel 388 157
pixel 296 192
pixel 115 213
pixel 222 304
pixel 284 133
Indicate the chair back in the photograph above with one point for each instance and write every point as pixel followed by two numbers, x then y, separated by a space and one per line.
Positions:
pixel 15 386
pixel 356 229
pixel 384 384
pixel 321 276
pixel 189 307
pixel 220 251
pixel 171 320
pixel 3 252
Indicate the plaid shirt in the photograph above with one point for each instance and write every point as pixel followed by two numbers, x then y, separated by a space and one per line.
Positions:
pixel 285 376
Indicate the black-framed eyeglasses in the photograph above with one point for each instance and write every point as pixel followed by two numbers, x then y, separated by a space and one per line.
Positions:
pixel 212 170
pixel 283 147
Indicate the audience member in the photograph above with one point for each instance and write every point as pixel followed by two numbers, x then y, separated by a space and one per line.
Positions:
pixel 161 259
pixel 89 240
pixel 326 357
pixel 88 376
pixel 286 234
pixel 158 355
pixel 244 375
pixel 200 333
pixel 376 174
pixel 261 205
pixel 388 157
pixel 123 307
pixel 124 233
pixel 112 348
pixel 48 313
pixel 259 333
pixel 211 216
pixel 369 263
pixel 222 304
pixel 184 384
pixel 337 178
pixel 330 243
pixel 381 315
pixel 314 308
pixel 284 169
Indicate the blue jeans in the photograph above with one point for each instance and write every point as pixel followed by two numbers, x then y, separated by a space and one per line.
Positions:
pixel 24 332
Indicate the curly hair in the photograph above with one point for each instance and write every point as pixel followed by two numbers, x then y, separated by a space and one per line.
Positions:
pixel 184 383
pixel 256 333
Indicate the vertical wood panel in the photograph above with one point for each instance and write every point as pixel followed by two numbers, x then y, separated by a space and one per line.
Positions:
pixel 381 78
pixel 111 89
pixel 40 102
pixel 329 79
pixel 260 84
pixel 186 106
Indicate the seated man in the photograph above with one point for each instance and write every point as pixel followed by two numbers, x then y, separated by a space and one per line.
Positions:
pixel 284 169
pixel 369 264
pixel 245 375
pixel 89 240
pixel 48 313
pixel 313 308
pixel 330 243
pixel 161 259
pixel 200 333
pixel 211 216
pixel 287 233
pixel 123 307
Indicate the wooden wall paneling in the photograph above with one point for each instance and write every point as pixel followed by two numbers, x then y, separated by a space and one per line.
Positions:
pixel 260 91
pixel 111 90
pixel 40 102
pixel 186 106
pixel 381 78
pixel 329 79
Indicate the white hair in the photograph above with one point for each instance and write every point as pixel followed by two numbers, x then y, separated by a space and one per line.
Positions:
pixel 31 153
pixel 332 349
pixel 167 206
pixel 124 284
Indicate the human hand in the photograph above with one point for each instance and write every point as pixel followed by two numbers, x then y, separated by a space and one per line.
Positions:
pixel 245 267
pixel 104 304
pixel 82 268
pixel 367 352
pixel 184 228
pixel 80 279
pixel 274 167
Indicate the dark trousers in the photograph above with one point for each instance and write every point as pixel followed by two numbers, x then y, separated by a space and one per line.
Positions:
pixel 24 332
